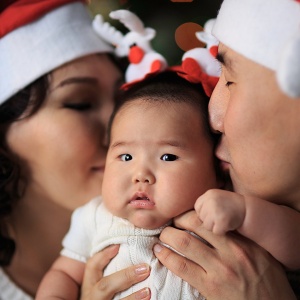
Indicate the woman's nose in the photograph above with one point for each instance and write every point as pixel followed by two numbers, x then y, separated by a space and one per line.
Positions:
pixel 218 105
pixel 143 177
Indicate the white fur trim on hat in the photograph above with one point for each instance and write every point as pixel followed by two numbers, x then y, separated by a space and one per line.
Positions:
pixel 267 32
pixel 35 49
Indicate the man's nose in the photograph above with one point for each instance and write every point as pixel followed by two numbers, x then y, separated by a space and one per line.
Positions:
pixel 218 105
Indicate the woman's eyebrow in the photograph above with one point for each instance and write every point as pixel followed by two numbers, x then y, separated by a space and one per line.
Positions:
pixel 76 80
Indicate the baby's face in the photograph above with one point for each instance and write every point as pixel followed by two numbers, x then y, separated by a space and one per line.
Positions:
pixel 159 162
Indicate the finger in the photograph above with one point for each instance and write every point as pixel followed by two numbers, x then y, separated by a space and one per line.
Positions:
pixel 96 264
pixel 190 221
pixel 190 246
pixel 198 204
pixel 179 265
pixel 108 286
pixel 143 294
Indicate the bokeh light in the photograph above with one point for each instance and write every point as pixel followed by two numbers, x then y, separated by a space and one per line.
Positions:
pixel 185 36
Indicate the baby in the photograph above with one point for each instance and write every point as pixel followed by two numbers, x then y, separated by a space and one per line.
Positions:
pixel 160 160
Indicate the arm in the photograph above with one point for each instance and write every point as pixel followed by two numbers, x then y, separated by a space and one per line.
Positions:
pixel 234 268
pixel 274 227
pixel 62 281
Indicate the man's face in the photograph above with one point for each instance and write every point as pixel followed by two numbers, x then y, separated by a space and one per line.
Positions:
pixel 260 126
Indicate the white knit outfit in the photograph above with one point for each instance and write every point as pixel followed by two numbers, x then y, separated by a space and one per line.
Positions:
pixel 9 290
pixel 93 228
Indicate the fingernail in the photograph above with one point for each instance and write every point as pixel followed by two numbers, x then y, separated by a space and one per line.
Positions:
pixel 157 248
pixel 144 293
pixel 113 249
pixel 142 269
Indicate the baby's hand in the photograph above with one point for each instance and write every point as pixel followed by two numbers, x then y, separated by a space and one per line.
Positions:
pixel 221 211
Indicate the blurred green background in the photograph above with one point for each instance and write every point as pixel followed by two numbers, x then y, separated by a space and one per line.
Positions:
pixel 164 16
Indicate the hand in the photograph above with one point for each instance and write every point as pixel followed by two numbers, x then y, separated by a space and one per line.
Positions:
pixel 95 286
pixel 233 268
pixel 221 211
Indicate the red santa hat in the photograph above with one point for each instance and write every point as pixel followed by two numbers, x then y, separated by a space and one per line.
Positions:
pixel 267 32
pixel 37 36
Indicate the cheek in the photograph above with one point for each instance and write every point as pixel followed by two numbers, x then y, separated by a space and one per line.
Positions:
pixel 184 190
pixel 113 187
pixel 24 140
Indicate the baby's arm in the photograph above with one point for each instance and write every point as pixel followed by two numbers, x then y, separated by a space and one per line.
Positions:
pixel 62 281
pixel 221 211
pixel 274 227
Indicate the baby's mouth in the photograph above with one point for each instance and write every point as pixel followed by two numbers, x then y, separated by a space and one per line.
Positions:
pixel 140 196
pixel 141 200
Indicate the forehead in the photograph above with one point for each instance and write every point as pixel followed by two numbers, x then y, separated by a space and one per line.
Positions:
pixel 99 67
pixel 158 108
pixel 234 62
pixel 158 116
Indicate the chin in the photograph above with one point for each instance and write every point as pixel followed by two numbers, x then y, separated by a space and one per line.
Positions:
pixel 146 223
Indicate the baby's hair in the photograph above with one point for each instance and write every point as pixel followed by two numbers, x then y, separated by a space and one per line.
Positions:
pixel 164 87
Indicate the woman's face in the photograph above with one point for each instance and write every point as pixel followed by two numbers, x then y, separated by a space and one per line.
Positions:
pixel 62 147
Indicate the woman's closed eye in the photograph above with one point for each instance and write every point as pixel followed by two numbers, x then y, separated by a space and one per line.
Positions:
pixel 81 106
pixel 169 157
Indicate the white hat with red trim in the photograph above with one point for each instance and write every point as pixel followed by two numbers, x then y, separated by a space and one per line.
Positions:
pixel 37 36
pixel 267 32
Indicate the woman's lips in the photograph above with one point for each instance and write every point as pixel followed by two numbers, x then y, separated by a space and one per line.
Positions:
pixel 98 168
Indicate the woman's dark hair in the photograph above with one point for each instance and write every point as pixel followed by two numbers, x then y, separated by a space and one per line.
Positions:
pixel 167 86
pixel 20 106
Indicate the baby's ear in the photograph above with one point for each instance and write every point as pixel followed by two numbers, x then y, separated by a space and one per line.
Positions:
pixel 149 33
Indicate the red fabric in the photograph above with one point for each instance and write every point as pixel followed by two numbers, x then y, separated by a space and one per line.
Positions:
pixel 156 66
pixel 192 72
pixel 135 55
pixel 17 13
pixel 130 84
pixel 214 51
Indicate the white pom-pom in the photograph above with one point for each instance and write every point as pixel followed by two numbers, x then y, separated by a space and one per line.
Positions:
pixel 288 72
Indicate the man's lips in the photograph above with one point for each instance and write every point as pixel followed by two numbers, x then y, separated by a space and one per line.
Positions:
pixel 222 157
pixel 224 166
pixel 141 200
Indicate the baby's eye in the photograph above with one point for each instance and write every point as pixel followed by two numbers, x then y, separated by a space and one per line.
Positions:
pixel 126 157
pixel 169 157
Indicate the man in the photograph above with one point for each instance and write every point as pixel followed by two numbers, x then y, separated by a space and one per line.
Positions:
pixel 255 107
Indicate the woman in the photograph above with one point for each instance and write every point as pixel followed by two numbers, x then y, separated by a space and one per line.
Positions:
pixel 57 89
